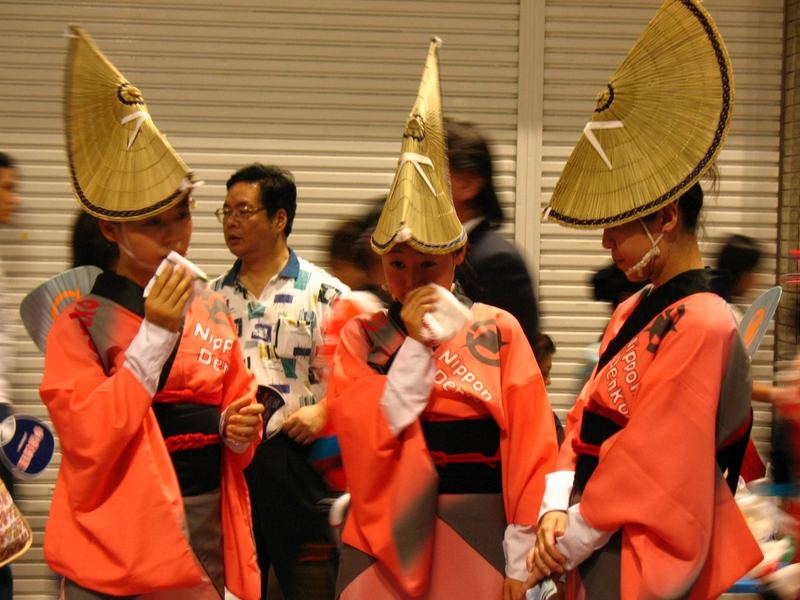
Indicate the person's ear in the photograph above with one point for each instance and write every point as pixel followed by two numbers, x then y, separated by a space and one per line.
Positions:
pixel 460 255
pixel 280 219
pixel 668 216
pixel 110 230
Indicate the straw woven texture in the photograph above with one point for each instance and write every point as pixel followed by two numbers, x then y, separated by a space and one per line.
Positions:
pixel 118 172
pixel 419 209
pixel 674 96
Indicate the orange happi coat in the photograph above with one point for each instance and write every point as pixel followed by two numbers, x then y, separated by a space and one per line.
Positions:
pixel 116 520
pixel 679 387
pixel 487 370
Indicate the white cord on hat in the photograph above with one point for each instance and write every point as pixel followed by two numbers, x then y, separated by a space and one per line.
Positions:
pixel 415 159
pixel 125 246
pixel 639 267
pixel 141 116
pixel 588 131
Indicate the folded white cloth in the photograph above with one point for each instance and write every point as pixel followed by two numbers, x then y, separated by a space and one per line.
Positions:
pixel 447 318
pixel 199 277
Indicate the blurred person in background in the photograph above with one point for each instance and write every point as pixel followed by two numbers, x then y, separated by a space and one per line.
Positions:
pixel 785 397
pixel 493 272
pixel 736 264
pixel 543 349
pixel 353 262
pixel 736 274
pixel 351 258
pixel 610 284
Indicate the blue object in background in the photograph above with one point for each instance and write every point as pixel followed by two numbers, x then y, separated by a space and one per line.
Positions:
pixel 27 444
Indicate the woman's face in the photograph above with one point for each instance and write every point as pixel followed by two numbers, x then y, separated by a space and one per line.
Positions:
pixel 407 269
pixel 628 244
pixel 143 244
pixel 8 194
pixel 464 187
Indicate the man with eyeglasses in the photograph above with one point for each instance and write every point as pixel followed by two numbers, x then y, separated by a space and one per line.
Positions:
pixel 280 304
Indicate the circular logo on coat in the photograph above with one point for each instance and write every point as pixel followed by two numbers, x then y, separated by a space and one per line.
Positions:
pixel 484 342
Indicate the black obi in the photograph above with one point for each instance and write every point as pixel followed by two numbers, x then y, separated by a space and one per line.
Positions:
pixel 597 428
pixel 466 454
pixel 191 433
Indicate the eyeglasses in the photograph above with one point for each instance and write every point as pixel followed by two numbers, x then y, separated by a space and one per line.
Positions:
pixel 239 213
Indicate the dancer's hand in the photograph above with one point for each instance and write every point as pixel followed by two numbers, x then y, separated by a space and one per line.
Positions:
pixel 545 558
pixel 242 421
pixel 416 304
pixel 513 589
pixel 171 291
pixel 304 425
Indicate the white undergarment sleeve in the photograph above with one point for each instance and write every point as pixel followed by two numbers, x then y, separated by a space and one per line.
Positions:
pixel 557 491
pixel 147 353
pixel 517 542
pixel 408 385
pixel 580 539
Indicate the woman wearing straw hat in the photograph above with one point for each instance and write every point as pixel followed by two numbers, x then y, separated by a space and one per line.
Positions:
pixel 152 402
pixel 443 420
pixel 639 506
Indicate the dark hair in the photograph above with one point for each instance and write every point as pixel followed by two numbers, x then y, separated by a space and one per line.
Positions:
pixel 90 246
pixel 611 285
pixel 343 244
pixel 6 162
pixel 740 255
pixel 468 150
pixel 351 240
pixel 543 346
pixel 689 205
pixel 278 190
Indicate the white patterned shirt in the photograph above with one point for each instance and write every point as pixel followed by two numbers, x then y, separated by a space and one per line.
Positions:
pixel 281 333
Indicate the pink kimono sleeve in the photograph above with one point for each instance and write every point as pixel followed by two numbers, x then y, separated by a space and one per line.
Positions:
pixel 528 446
pixel 96 415
pixel 239 383
pixel 391 478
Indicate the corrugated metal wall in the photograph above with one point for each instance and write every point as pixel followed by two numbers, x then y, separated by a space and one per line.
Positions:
pixel 788 329
pixel 323 88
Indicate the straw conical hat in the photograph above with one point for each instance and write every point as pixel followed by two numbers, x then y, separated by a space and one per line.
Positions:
pixel 419 209
pixel 122 167
pixel 657 127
